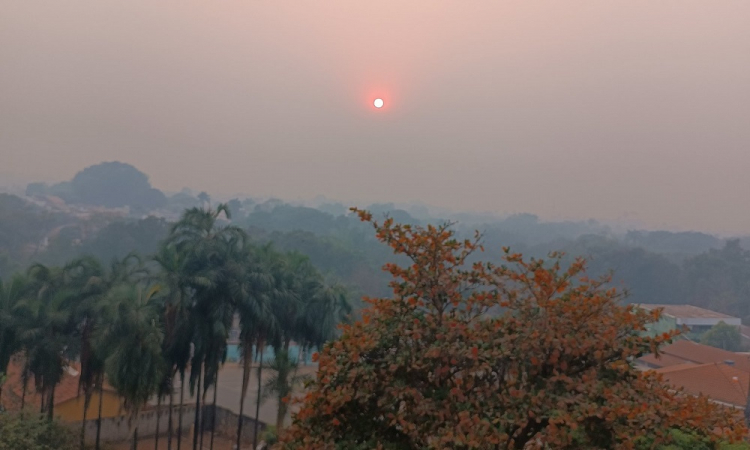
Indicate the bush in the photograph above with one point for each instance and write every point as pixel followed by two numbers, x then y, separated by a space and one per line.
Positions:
pixel 270 435
pixel 32 432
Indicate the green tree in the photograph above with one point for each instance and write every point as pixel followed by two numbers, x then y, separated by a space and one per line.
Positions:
pixel 134 365
pixel 720 279
pixel 47 336
pixel 280 386
pixel 90 286
pixel 254 294
pixel 95 310
pixel 24 432
pixel 723 336
pixel 176 280
pixel 10 294
pixel 208 246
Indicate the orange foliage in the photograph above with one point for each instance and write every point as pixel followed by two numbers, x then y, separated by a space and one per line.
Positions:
pixel 478 356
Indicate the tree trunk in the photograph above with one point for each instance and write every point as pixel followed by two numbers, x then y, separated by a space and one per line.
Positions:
pixel 158 421
pixel 135 438
pixel 197 409
pixel 257 403
pixel 203 412
pixel 280 415
pixel 51 406
pixel 99 418
pixel 86 403
pixel 170 424
pixel 182 403
pixel 23 396
pixel 246 366
pixel 213 415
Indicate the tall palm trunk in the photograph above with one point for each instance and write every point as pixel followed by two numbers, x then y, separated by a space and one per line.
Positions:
pixel 158 421
pixel 23 396
pixel 170 424
pixel 280 415
pixel 51 405
pixel 257 403
pixel 197 409
pixel 86 403
pixel 213 415
pixel 246 366
pixel 182 404
pixel 99 417
pixel 203 414
pixel 133 426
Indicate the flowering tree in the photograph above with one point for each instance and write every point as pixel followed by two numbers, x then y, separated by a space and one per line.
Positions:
pixel 478 356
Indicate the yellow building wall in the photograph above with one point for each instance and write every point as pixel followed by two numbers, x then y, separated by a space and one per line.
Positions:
pixel 72 410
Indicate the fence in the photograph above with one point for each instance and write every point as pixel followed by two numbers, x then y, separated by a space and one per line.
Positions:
pixel 114 429
pixel 227 421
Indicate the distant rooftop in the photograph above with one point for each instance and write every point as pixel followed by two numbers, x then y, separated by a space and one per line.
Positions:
pixel 683 352
pixel 687 311
pixel 720 382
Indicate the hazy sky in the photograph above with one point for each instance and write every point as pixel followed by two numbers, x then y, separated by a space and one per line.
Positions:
pixel 636 110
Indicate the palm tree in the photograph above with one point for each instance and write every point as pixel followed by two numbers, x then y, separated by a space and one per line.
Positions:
pixel 47 328
pixel 135 365
pixel 257 321
pixel 88 277
pixel 90 308
pixel 175 316
pixel 325 306
pixel 276 326
pixel 281 384
pixel 10 294
pixel 207 246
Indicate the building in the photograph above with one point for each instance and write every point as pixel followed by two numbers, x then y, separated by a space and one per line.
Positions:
pixel 683 352
pixel 68 400
pixel 695 318
pixel 720 382
pixel 721 375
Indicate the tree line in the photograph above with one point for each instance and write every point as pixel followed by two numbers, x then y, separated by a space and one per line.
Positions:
pixel 141 324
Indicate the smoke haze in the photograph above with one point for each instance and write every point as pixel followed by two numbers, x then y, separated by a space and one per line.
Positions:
pixel 617 110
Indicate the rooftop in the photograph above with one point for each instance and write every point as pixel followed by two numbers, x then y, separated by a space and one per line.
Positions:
pixel 687 352
pixel 686 311
pixel 66 390
pixel 717 381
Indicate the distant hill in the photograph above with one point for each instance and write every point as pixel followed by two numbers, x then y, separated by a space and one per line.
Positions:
pixel 110 184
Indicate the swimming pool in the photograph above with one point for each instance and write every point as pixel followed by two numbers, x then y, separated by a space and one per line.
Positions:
pixel 233 353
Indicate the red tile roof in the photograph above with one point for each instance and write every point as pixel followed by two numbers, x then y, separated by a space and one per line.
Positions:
pixel 13 387
pixel 719 382
pixel 684 351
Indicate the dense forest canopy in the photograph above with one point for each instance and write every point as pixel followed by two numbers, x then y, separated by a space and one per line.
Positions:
pixel 654 266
